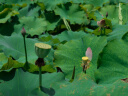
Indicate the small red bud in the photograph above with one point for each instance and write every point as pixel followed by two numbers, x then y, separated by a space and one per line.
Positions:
pixel 23 31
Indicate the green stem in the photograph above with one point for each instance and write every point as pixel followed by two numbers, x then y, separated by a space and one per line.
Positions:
pixel 73 74
pixel 67 25
pixel 25 50
pixel 40 77
pixel 101 32
pixel 104 31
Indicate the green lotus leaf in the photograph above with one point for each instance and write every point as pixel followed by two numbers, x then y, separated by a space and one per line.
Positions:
pixel 73 13
pixel 113 62
pixel 13 46
pixel 118 32
pixel 8 45
pixel 52 40
pixel 124 13
pixel 7 27
pixel 52 23
pixel 70 35
pixel 87 7
pixel 3 59
pixel 85 86
pixel 6 14
pixel 20 2
pixel 51 6
pixel 111 9
pixel 70 54
pixel 17 28
pixel 96 3
pixel 118 1
pixel 89 30
pixel 34 26
pixel 77 1
pixel 64 36
pixel 28 11
pixel 41 5
pixel 25 83
pixel 11 64
pixel 98 16
pixel 32 67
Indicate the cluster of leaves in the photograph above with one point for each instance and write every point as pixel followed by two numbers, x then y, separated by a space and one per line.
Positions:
pixel 70 27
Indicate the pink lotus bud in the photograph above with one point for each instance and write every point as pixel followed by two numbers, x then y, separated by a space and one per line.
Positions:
pixel 101 23
pixel 89 53
pixel 23 31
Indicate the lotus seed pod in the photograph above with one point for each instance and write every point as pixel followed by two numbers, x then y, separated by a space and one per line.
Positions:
pixel 85 59
pixel 101 23
pixel 23 31
pixel 42 49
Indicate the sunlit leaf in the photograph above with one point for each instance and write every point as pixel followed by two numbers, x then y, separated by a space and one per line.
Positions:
pixel 74 14
pixel 70 54
pixel 34 26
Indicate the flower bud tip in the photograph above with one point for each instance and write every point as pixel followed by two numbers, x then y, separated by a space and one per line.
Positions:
pixel 89 53
pixel 23 31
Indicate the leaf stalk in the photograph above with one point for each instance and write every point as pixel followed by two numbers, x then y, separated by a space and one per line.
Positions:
pixel 40 78
pixel 25 51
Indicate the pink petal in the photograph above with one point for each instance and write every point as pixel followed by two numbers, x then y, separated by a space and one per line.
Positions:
pixel 89 53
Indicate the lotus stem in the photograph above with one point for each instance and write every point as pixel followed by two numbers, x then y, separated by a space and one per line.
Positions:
pixel 101 32
pixel 67 25
pixel 40 78
pixel 25 50
pixel 104 31
pixel 40 62
pixel 73 74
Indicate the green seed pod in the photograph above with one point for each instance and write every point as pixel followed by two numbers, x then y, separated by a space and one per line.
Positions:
pixel 42 49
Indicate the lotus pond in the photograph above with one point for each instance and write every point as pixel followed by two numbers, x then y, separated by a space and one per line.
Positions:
pixel 63 48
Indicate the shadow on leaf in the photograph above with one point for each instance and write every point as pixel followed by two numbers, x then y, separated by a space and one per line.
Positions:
pixel 43 91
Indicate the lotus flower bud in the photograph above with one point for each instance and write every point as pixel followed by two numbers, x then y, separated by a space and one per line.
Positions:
pixel 101 23
pixel 86 59
pixel 23 31
pixel 42 49
pixel 89 53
